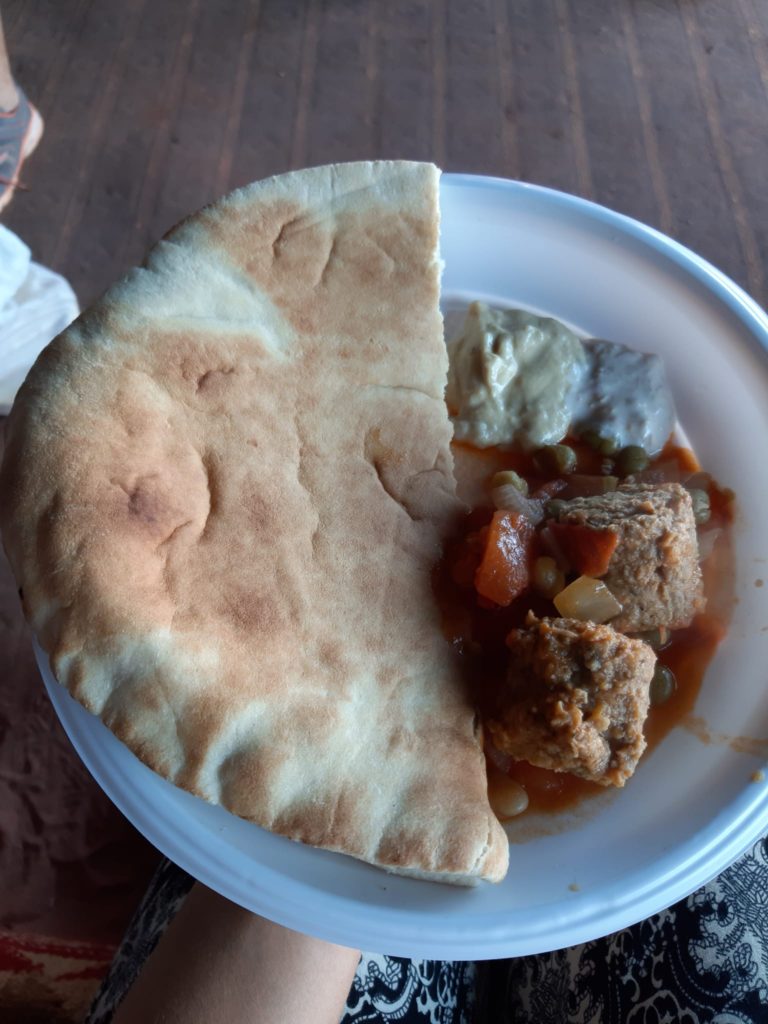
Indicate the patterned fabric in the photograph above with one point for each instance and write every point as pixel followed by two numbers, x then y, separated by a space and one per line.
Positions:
pixel 161 902
pixel 389 988
pixel 703 961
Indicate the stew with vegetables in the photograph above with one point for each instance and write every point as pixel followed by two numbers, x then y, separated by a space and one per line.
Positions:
pixel 548 593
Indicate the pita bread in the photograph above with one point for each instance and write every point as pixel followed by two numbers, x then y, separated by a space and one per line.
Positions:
pixel 224 490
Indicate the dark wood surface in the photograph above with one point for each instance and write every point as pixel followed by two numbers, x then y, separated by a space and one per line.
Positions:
pixel 657 108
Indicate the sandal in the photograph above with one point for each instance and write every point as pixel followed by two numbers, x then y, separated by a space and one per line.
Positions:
pixel 20 131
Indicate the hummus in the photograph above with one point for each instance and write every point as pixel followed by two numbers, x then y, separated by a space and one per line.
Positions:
pixel 513 378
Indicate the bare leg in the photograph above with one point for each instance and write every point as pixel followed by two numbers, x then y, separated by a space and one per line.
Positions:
pixel 8 95
pixel 218 962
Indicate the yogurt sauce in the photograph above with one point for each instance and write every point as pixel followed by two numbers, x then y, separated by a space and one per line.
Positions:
pixel 518 378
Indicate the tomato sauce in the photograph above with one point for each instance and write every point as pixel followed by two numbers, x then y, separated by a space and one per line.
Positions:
pixel 478 630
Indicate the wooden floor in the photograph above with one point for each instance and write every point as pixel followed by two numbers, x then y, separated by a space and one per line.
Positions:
pixel 657 108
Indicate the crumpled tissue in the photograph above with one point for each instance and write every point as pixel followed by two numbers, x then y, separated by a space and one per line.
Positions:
pixel 35 305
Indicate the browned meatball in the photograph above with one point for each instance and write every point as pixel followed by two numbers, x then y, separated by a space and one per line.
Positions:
pixel 654 572
pixel 576 699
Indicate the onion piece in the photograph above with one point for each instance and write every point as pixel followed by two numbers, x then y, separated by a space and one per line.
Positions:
pixel 506 797
pixel 587 600
pixel 707 541
pixel 509 499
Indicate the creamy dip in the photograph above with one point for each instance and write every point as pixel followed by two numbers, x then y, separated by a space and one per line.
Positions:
pixel 518 378
pixel 512 378
pixel 624 397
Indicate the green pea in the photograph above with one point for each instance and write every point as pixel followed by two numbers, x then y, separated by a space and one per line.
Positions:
pixel 548 578
pixel 701 509
pixel 603 445
pixel 663 684
pixel 555 459
pixel 632 459
pixel 509 478
pixel 554 507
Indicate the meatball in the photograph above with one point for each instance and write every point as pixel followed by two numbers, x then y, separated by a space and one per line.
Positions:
pixel 575 699
pixel 654 571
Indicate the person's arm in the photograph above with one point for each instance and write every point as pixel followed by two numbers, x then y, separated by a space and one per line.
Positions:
pixel 220 964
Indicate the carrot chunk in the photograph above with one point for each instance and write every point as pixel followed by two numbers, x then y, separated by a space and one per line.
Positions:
pixel 588 551
pixel 504 572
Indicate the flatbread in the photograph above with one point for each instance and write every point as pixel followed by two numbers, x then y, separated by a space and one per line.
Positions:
pixel 224 491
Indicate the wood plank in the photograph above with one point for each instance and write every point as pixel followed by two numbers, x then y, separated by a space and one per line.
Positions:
pixel 647 126
pixel 305 75
pixel 405 81
pixel 338 110
pixel 473 140
pixel 73 232
pixel 734 63
pixel 723 155
pixel 266 133
pixel 163 74
pixel 235 113
pixel 510 146
pixel 620 173
pixel 199 122
pixel 373 93
pixel 755 20
pixel 541 114
pixel 438 60
pixel 573 92
pixel 14 13
pixel 703 218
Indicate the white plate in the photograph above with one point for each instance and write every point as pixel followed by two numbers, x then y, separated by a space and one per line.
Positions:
pixel 691 808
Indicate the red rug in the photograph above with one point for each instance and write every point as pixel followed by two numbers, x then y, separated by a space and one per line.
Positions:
pixel 47 981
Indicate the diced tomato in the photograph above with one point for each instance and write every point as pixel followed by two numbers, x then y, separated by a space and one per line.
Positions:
pixel 504 572
pixel 587 551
